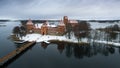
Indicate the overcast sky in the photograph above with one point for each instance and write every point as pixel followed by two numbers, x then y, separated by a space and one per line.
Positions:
pixel 56 9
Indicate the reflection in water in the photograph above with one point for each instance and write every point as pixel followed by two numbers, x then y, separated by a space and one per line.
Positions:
pixel 44 45
pixel 60 47
pixel 17 45
pixel 119 49
pixel 81 51
pixel 68 51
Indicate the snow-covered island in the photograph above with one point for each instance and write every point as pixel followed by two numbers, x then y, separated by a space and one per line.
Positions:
pixel 47 38
pixel 68 30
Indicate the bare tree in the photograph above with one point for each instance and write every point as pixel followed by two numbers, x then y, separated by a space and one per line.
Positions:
pixel 81 30
pixel 16 31
pixel 68 29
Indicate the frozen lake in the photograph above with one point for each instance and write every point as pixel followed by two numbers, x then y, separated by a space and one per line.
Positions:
pixel 59 54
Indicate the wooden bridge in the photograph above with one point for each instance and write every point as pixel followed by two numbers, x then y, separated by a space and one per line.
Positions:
pixel 16 52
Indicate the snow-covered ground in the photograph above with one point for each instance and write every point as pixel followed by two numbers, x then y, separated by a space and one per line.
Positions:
pixel 46 38
pixel 107 42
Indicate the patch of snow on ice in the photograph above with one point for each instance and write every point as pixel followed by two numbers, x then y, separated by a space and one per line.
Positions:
pixel 96 25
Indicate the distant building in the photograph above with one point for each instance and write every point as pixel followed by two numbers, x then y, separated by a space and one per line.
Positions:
pixel 50 28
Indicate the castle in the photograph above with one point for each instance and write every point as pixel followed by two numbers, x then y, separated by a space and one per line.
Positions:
pixel 48 28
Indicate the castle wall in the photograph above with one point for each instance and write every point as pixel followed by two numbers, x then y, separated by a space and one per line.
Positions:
pixel 61 29
pixel 44 30
pixel 52 31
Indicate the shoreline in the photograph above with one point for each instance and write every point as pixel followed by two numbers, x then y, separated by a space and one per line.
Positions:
pixel 58 41
pixel 50 38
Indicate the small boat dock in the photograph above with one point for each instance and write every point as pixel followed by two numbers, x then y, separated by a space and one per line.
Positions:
pixel 16 52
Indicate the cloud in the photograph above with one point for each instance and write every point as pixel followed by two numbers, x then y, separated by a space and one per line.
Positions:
pixel 46 9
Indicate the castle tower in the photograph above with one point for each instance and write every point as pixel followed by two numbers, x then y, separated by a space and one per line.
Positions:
pixel 30 26
pixel 61 27
pixel 65 20
pixel 44 29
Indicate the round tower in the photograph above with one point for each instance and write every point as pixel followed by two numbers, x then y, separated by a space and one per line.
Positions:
pixel 30 26
pixel 44 29
pixel 65 20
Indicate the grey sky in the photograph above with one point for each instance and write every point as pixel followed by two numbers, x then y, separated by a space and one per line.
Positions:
pixel 56 9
